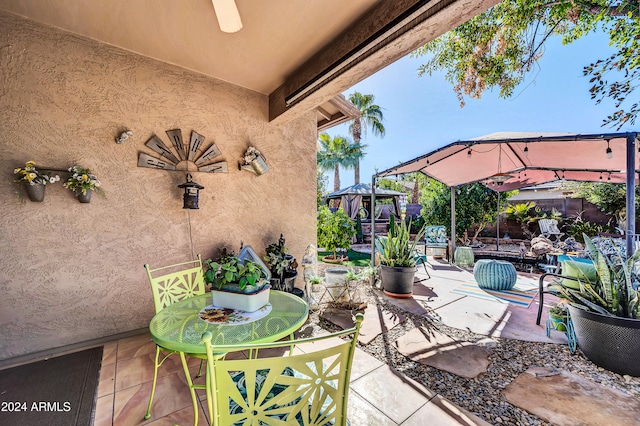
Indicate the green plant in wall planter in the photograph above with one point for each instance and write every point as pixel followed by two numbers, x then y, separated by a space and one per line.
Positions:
pixel 33 181
pixel 335 231
pixel 83 183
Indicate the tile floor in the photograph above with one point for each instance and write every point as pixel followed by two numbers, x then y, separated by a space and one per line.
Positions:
pixel 378 395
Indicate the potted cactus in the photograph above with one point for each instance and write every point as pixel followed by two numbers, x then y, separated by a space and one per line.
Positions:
pixel 398 259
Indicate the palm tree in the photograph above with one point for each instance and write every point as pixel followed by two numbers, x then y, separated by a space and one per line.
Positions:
pixel 337 152
pixel 371 116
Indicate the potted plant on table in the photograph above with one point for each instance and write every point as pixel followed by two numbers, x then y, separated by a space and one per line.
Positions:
pixel 237 283
pixel 83 183
pixel 398 259
pixel 605 312
pixel 33 181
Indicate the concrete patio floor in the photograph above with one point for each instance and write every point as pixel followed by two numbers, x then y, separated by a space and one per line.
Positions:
pixel 433 297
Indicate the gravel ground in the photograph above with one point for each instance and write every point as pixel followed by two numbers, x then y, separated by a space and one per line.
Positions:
pixel 508 359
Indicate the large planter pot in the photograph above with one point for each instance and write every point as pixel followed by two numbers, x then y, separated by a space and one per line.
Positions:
pixel 397 281
pixel 496 275
pixel 612 343
pixel 248 302
pixel 35 192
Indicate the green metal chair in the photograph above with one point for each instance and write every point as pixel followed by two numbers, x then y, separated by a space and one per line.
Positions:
pixel 308 387
pixel 170 284
pixel 435 237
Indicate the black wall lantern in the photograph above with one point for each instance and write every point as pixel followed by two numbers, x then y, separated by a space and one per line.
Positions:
pixel 191 192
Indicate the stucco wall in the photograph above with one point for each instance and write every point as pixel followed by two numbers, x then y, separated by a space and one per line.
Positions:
pixel 72 272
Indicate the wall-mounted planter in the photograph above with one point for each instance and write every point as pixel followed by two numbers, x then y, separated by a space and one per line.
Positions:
pixel 35 192
pixel 84 198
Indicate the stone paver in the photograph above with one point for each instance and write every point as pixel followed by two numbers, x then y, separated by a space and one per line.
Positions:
pixel 438 350
pixel 566 399
pixel 376 321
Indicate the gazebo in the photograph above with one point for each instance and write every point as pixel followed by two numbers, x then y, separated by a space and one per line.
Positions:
pixel 507 161
pixel 358 196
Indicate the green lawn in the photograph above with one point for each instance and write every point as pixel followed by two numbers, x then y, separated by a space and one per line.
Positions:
pixel 355 258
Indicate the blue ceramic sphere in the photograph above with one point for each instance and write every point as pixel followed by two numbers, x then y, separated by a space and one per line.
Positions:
pixel 495 274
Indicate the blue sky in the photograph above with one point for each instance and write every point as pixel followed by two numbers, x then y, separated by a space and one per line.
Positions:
pixel 422 113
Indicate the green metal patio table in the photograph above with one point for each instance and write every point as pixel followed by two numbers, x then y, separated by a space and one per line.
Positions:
pixel 179 328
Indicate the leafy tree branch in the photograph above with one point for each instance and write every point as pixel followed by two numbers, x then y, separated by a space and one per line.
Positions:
pixel 499 47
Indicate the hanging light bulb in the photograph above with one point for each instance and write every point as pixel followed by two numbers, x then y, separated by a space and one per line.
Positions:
pixel 600 175
pixel 526 150
pixel 609 152
pixel 500 178
pixel 609 178
pixel 469 153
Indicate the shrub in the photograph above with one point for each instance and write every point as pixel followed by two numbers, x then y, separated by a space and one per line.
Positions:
pixel 335 230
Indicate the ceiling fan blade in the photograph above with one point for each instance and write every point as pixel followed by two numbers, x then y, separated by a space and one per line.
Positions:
pixel 228 15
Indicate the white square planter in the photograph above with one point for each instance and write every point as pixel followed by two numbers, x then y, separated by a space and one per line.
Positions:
pixel 241 301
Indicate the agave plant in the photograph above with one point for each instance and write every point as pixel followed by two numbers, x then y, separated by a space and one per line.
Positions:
pixel 615 292
pixel 398 249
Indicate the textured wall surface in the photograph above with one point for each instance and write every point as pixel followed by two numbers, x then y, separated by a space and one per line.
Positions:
pixel 72 272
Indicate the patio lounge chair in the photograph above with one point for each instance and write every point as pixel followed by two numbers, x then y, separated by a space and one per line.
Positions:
pixel 435 237
pixel 570 271
pixel 549 228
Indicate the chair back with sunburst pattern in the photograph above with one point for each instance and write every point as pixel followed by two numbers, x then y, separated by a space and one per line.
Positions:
pixel 170 284
pixel 308 386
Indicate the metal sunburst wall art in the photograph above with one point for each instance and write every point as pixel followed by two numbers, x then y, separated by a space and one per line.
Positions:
pixel 179 158
pixel 171 159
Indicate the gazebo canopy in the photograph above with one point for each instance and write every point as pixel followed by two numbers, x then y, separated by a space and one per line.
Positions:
pixel 506 161
pixel 530 158
pixel 363 189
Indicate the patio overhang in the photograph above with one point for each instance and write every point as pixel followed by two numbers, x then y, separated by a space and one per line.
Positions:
pixel 527 159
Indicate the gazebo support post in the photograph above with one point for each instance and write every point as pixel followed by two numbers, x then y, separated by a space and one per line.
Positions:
pixel 453 223
pixel 631 192
pixel 373 220
pixel 498 224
